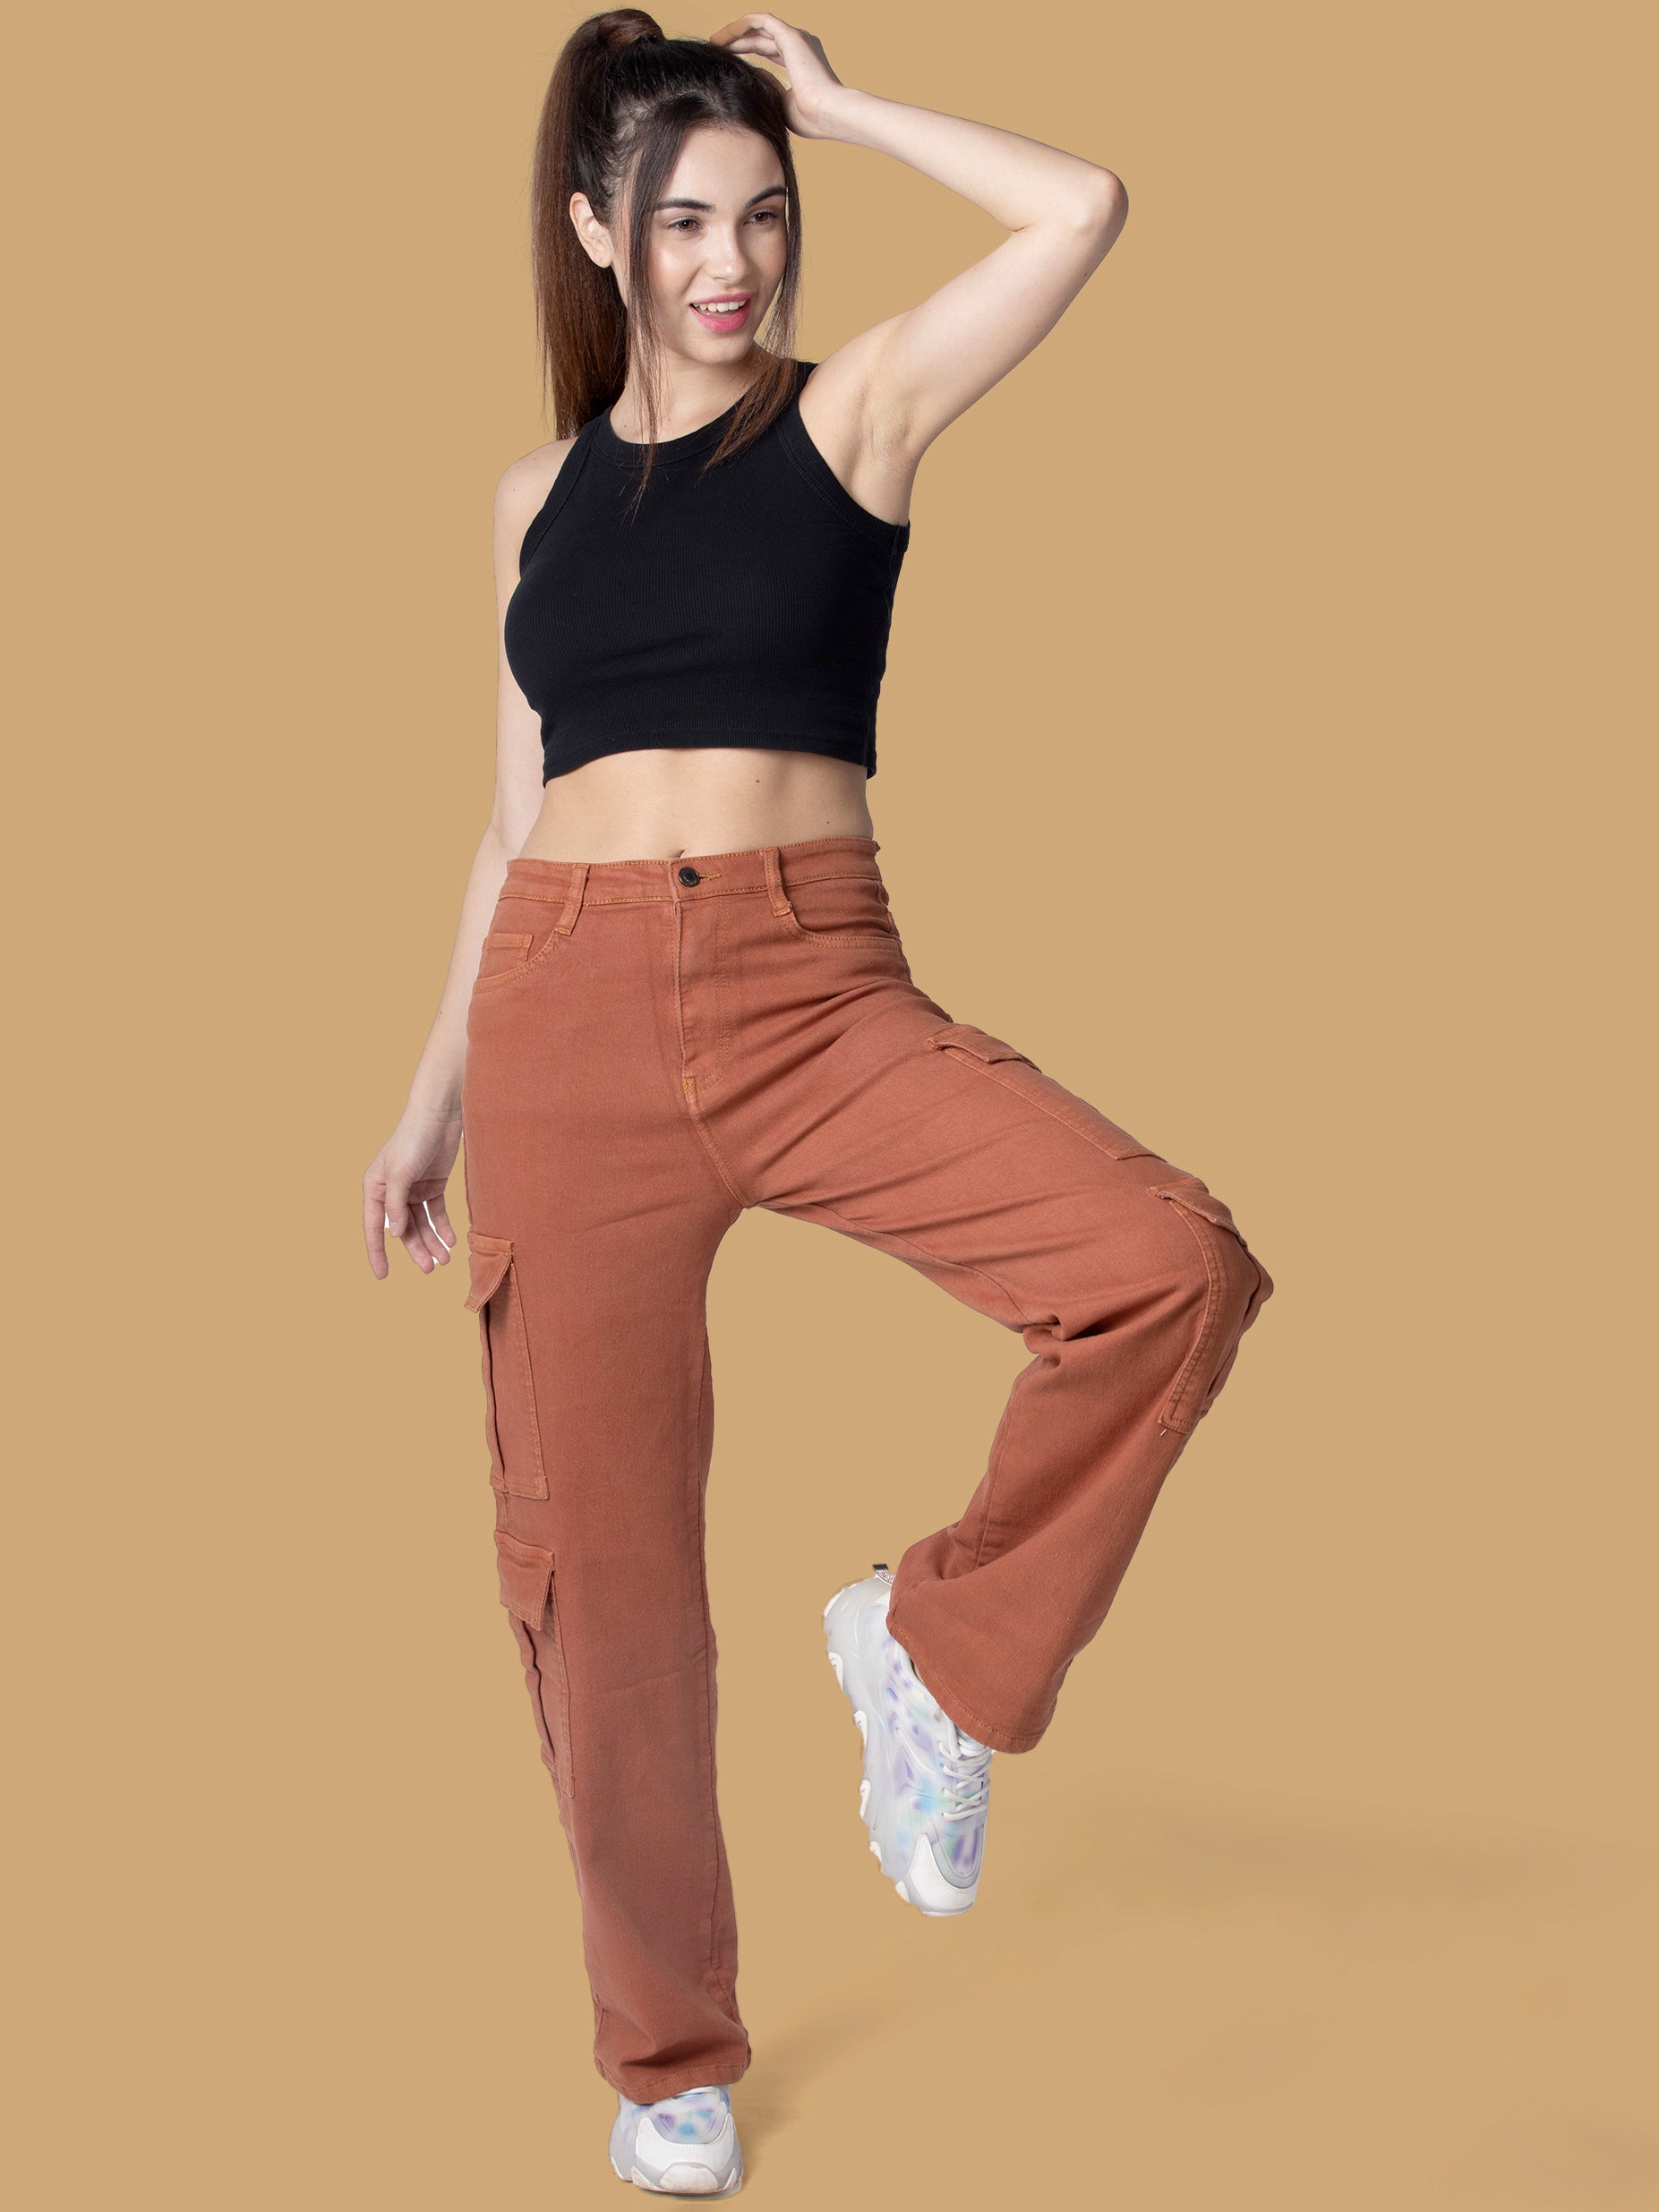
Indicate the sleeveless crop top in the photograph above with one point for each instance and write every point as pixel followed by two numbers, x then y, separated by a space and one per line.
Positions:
pixel 748 605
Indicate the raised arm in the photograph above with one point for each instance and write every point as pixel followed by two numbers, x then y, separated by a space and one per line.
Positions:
pixel 900 382
pixel 404 1185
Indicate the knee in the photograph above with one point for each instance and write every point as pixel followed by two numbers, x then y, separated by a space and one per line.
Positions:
pixel 1217 1287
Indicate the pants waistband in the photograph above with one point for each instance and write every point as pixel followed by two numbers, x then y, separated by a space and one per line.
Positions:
pixel 771 869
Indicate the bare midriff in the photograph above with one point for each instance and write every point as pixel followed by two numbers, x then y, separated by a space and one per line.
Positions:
pixel 664 803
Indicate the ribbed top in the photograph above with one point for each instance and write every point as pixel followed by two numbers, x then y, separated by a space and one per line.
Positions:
pixel 746 604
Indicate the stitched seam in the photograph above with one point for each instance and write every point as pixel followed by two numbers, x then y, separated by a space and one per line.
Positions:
pixel 937 1259
pixel 532 1422
pixel 723 995
pixel 664 898
pixel 524 967
pixel 493 1431
pixel 532 1666
pixel 1175 1414
pixel 837 936
pixel 689 1083
pixel 698 1123
pixel 566 1754
pixel 997 1445
pixel 676 2075
pixel 701 1536
pixel 1089 1136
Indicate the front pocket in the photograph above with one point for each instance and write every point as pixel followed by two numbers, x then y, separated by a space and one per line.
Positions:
pixel 840 909
pixel 1238 1284
pixel 505 952
pixel 523 931
pixel 526 1576
pixel 511 1422
pixel 1017 1071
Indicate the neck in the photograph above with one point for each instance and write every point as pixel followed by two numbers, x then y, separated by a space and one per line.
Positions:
pixel 692 393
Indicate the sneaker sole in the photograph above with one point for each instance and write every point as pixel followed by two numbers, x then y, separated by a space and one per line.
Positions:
pixel 929 1912
pixel 662 2188
pixel 694 2177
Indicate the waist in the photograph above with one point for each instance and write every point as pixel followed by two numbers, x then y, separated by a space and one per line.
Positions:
pixel 655 803
pixel 772 869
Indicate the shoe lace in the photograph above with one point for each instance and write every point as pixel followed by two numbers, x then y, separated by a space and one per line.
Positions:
pixel 965 1778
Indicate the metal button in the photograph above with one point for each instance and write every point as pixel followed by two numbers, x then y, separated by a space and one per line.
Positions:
pixel 689 875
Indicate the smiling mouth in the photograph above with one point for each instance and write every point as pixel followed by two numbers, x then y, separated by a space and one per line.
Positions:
pixel 723 315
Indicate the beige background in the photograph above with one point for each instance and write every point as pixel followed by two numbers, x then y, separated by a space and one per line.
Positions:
pixel 1265 749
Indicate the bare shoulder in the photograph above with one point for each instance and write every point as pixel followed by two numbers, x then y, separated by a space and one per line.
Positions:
pixel 525 484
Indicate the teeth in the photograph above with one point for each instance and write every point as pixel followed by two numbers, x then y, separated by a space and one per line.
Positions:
pixel 730 307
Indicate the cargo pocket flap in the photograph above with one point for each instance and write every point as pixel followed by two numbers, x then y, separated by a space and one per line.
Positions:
pixel 490 1257
pixel 526 1573
pixel 1197 1199
pixel 979 1042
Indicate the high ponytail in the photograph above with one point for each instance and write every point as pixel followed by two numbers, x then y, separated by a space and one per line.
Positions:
pixel 620 102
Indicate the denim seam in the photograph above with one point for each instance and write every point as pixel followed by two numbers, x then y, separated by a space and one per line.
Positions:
pixel 550 1734
pixel 937 1259
pixel 699 1535
pixel 565 1741
pixel 797 930
pixel 533 1418
pixel 1207 1327
pixel 1143 1151
pixel 524 967
pixel 992 1467
pixel 681 2078
pixel 694 1115
pixel 689 1083
pixel 722 980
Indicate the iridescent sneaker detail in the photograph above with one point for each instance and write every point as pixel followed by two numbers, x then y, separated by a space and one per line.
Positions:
pixel 925 1790
pixel 684 2146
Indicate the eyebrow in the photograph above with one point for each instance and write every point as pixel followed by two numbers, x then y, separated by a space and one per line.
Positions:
pixel 706 207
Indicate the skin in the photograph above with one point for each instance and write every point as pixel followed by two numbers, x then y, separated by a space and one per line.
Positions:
pixel 872 407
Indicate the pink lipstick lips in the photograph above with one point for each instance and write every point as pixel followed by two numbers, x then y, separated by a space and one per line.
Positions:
pixel 723 312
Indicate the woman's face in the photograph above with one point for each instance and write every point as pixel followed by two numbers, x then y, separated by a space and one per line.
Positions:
pixel 718 240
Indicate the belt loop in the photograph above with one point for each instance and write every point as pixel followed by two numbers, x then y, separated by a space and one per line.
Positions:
pixel 774 881
pixel 573 904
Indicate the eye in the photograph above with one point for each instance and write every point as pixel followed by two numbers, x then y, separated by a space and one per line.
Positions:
pixel 681 222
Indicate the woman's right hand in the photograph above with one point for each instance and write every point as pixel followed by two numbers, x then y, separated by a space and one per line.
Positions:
pixel 404 1184
pixel 812 83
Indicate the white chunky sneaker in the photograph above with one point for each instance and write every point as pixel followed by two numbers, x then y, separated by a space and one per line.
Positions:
pixel 684 2146
pixel 927 1783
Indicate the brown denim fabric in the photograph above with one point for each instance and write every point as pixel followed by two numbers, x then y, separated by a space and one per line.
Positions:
pixel 653 1046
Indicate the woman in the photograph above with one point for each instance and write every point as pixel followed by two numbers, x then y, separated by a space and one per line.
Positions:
pixel 678 990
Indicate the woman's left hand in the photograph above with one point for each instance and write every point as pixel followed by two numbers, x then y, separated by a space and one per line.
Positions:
pixel 810 77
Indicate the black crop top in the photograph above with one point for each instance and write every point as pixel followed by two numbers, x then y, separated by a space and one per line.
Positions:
pixel 747 605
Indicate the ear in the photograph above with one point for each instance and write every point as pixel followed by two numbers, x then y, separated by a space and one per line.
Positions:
pixel 596 238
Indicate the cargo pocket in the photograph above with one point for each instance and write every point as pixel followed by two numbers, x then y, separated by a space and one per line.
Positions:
pixel 1237 1286
pixel 527 1592
pixel 510 1423
pixel 1017 1071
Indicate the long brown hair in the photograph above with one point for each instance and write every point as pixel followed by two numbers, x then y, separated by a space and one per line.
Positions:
pixel 621 99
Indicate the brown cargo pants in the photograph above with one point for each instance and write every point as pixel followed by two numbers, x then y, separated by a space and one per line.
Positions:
pixel 653 1046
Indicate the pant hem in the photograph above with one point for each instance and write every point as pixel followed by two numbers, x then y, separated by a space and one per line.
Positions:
pixel 945 1693
pixel 674 2080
